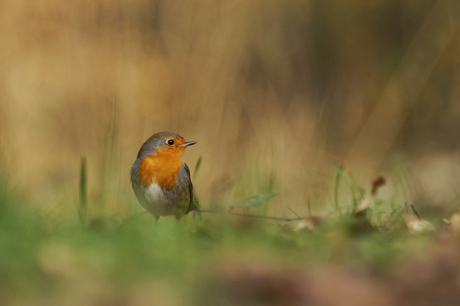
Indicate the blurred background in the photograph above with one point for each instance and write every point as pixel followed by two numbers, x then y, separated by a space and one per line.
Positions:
pixel 274 92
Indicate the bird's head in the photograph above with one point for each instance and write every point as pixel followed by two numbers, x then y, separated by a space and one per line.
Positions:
pixel 164 143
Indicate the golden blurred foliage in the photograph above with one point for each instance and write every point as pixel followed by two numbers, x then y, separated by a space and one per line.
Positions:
pixel 272 91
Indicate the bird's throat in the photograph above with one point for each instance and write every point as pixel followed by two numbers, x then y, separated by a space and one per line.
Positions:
pixel 162 168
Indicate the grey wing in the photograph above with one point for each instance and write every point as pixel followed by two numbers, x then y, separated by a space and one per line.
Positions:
pixel 138 190
pixel 192 205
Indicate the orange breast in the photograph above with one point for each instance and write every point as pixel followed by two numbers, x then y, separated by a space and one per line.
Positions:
pixel 161 168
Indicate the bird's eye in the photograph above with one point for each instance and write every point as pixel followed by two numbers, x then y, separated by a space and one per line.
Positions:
pixel 170 142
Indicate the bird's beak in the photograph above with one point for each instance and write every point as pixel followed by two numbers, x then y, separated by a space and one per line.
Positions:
pixel 188 143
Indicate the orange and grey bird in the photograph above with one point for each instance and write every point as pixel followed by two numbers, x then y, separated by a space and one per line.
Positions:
pixel 160 179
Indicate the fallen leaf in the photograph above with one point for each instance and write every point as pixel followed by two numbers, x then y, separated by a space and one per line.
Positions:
pixel 416 225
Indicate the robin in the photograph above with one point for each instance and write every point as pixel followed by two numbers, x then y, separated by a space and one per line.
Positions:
pixel 160 179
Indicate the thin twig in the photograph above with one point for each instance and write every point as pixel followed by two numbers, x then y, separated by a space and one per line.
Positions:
pixel 252 216
pixel 293 212
pixel 416 213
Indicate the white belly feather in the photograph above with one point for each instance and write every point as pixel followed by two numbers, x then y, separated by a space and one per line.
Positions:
pixel 156 200
pixel 153 194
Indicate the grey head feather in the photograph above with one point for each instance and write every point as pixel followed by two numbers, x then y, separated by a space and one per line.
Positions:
pixel 155 141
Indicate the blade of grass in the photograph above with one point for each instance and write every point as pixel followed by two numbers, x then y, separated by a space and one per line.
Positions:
pixel 197 167
pixel 336 189
pixel 83 191
pixel 351 188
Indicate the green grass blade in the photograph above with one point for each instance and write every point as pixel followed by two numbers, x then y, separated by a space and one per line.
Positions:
pixel 83 191
pixel 336 188
pixel 197 167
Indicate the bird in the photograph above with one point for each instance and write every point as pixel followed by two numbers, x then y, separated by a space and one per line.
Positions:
pixel 160 179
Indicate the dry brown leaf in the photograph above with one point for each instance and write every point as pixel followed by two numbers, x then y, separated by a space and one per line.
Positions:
pixel 307 224
pixel 416 225
pixel 366 202
pixel 455 222
pixel 378 182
